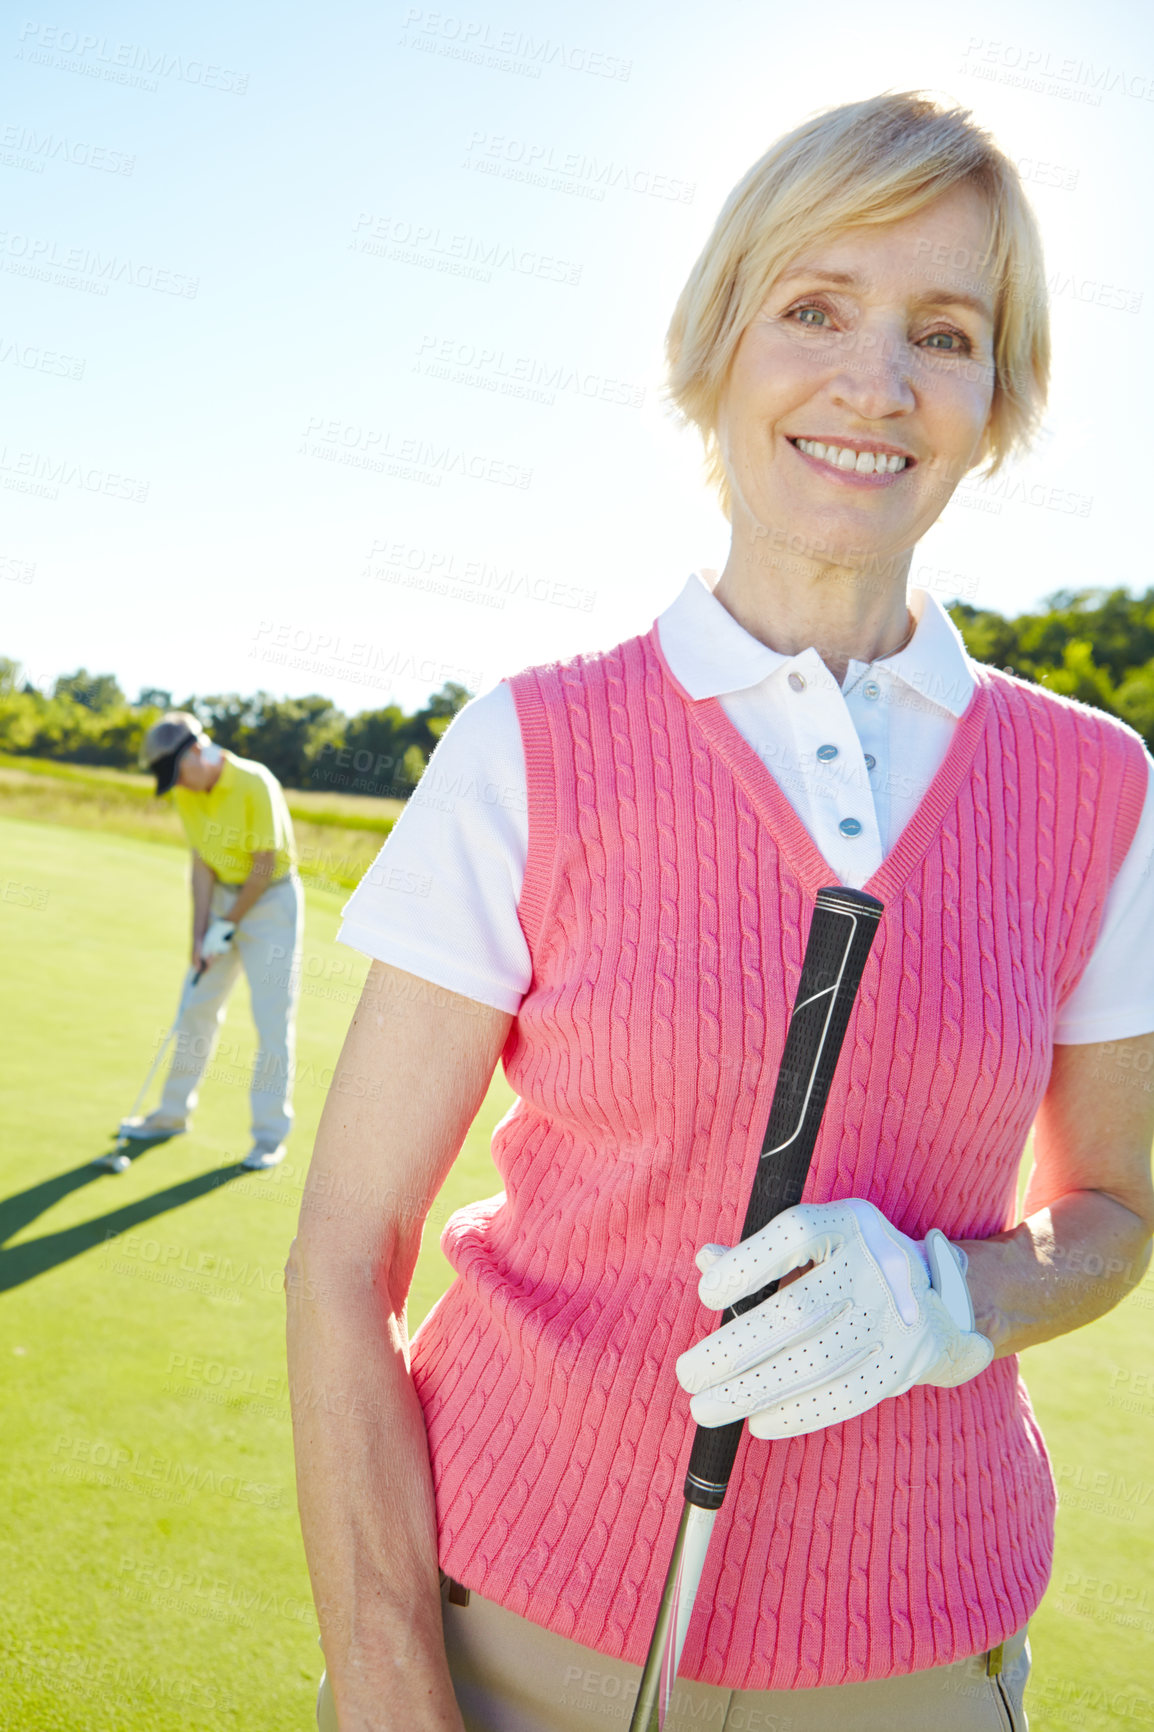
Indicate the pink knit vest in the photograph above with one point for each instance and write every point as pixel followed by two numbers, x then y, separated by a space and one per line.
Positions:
pixel 667 897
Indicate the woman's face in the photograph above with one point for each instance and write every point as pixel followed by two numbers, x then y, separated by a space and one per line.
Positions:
pixel 875 341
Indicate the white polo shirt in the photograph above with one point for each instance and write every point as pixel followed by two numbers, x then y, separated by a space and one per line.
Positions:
pixel 854 761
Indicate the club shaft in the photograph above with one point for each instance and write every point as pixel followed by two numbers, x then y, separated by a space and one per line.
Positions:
pixel 186 992
pixel 678 1595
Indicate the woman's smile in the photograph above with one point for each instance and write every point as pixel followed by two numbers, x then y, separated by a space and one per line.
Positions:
pixel 849 463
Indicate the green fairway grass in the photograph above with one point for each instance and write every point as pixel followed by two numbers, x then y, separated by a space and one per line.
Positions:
pixel 153 1575
pixel 337 835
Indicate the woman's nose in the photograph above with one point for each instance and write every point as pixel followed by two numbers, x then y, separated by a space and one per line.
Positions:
pixel 874 378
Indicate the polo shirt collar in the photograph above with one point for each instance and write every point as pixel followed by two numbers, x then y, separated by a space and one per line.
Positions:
pixel 227 773
pixel 711 655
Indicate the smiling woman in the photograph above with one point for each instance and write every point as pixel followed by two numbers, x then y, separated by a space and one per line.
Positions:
pixel 854 409
pixel 861 168
pixel 874 285
pixel 624 928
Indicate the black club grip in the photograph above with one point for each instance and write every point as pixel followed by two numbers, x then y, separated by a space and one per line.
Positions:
pixel 840 935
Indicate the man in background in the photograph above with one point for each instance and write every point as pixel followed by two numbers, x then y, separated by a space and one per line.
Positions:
pixel 246 912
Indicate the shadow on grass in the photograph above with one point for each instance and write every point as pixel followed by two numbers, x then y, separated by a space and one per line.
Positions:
pixel 20 1263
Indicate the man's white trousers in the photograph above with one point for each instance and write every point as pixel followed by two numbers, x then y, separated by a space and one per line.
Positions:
pixel 267 946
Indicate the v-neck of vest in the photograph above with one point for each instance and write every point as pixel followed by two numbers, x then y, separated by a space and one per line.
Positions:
pixel 791 835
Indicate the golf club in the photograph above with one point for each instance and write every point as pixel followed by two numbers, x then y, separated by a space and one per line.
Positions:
pixel 844 926
pixel 119 1161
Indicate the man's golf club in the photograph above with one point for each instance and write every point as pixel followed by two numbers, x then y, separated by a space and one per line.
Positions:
pixel 119 1161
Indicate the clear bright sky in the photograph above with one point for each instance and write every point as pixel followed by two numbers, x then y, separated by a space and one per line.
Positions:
pixel 236 239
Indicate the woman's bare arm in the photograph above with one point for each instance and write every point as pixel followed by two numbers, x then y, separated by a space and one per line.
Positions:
pixel 414 1069
pixel 1085 1242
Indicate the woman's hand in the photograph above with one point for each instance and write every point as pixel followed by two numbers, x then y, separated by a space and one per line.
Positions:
pixel 875 1314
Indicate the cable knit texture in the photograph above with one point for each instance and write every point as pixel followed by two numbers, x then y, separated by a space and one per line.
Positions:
pixel 667 897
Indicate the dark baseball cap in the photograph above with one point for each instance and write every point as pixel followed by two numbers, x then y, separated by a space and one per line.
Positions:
pixel 165 744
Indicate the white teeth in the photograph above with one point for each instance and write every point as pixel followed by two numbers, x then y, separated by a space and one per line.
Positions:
pixel 845 457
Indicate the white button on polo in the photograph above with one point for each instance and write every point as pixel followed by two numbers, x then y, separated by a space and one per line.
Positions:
pixel 871 761
pixel 850 827
pixel 827 754
pixel 871 690
pixel 796 683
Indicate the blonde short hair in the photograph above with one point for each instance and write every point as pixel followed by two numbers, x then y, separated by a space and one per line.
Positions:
pixel 859 166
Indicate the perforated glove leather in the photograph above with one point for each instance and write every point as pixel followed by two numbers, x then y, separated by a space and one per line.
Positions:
pixel 877 1314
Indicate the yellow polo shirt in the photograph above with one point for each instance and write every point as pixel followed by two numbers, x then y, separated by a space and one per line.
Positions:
pixel 244 814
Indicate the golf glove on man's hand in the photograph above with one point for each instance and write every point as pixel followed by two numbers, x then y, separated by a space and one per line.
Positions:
pixel 877 1314
pixel 218 937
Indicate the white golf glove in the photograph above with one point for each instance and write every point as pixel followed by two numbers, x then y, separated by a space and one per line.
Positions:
pixel 218 937
pixel 877 1314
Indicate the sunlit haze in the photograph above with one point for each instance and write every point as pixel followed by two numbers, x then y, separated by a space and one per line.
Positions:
pixel 333 341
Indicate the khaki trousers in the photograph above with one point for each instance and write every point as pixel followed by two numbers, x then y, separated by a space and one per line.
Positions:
pixel 512 1676
pixel 267 948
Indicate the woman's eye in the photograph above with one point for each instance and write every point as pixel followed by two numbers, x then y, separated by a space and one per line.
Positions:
pixel 954 342
pixel 820 312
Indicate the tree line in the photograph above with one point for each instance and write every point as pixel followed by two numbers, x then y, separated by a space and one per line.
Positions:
pixel 306 742
pixel 1096 645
